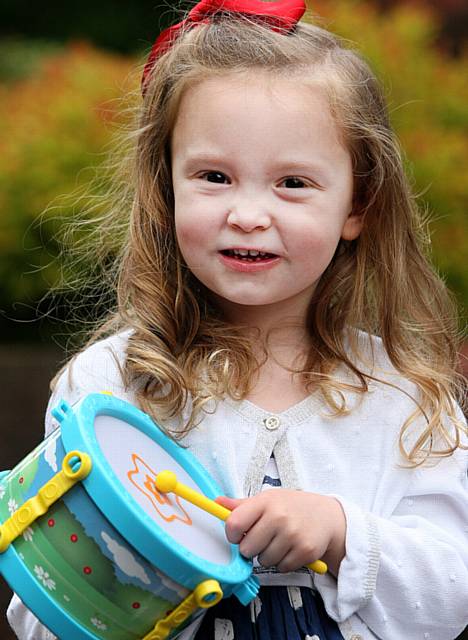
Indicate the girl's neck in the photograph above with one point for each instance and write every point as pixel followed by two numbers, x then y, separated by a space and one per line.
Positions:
pixel 281 346
pixel 278 336
pixel 281 352
pixel 267 316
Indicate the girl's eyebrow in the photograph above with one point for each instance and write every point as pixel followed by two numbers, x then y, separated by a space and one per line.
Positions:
pixel 192 153
pixel 202 156
pixel 319 169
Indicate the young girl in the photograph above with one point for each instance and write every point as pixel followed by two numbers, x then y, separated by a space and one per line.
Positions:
pixel 277 315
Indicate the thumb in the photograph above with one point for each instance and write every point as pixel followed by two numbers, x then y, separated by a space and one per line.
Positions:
pixel 229 503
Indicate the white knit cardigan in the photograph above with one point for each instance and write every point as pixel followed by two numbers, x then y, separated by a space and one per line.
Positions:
pixel 405 573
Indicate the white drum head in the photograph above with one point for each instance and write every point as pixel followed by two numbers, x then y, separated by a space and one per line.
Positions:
pixel 136 459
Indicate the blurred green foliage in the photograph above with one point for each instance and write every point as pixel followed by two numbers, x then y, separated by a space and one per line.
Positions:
pixel 21 58
pixel 55 123
pixel 58 111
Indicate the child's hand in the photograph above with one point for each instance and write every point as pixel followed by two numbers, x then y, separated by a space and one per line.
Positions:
pixel 287 529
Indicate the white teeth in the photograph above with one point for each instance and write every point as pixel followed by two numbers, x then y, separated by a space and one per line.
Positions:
pixel 248 252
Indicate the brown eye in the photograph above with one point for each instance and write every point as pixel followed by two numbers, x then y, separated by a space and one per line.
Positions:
pixel 216 177
pixel 294 183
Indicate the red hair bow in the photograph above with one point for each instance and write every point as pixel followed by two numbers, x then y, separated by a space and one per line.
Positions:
pixel 282 15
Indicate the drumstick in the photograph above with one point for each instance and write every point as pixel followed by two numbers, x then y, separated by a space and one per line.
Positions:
pixel 166 482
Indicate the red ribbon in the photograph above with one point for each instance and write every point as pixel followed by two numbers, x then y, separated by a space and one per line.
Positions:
pixel 280 16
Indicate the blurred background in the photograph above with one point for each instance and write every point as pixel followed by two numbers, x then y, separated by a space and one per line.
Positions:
pixel 63 67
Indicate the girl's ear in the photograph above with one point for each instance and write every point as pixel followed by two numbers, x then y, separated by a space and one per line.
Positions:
pixel 353 225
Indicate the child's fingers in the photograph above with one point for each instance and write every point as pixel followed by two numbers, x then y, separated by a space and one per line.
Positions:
pixel 257 539
pixel 291 561
pixel 229 503
pixel 244 516
pixel 273 554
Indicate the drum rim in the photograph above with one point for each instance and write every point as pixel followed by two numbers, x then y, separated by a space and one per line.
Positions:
pixel 181 564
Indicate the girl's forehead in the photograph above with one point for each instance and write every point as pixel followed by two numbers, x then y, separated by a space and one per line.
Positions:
pixel 279 91
pixel 260 118
pixel 240 99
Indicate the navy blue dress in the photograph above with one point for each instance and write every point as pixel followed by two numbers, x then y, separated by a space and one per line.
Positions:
pixel 277 613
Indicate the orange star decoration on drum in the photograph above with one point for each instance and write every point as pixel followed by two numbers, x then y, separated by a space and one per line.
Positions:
pixel 143 477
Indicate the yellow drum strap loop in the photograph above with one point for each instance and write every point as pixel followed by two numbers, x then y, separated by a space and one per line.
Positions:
pixel 205 595
pixel 75 467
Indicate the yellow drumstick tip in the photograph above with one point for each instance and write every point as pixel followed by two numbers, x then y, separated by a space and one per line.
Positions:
pixel 319 566
pixel 166 481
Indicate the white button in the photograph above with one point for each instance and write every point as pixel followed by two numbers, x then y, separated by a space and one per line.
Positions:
pixel 356 637
pixel 271 423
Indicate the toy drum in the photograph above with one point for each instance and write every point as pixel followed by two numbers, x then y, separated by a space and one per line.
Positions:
pixel 94 549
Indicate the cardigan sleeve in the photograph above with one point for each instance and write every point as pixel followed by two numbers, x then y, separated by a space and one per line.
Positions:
pixel 97 369
pixel 406 575
pixel 25 625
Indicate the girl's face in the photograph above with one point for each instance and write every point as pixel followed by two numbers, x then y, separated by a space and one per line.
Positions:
pixel 258 168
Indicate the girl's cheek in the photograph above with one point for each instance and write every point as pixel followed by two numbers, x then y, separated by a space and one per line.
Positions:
pixel 191 230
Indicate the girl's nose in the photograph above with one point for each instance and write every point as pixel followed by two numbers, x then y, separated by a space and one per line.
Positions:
pixel 248 218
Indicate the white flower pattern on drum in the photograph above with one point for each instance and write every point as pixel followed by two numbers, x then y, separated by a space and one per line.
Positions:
pixel 12 506
pixel 44 577
pixel 99 624
pixel 2 492
pixel 28 534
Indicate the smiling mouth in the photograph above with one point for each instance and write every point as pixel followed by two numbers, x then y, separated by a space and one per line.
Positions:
pixel 248 255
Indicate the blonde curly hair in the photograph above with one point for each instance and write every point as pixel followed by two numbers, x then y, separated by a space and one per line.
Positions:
pixel 181 348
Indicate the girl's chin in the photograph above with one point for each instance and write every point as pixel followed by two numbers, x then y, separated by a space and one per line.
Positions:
pixel 249 301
